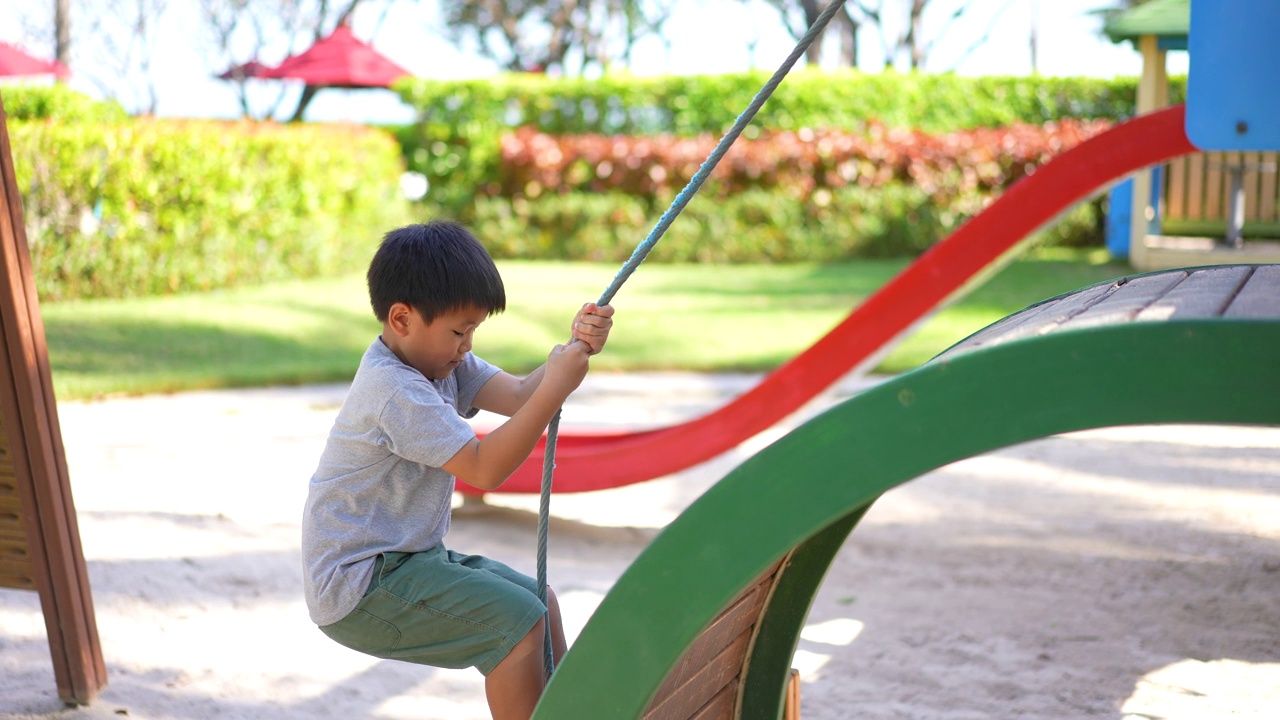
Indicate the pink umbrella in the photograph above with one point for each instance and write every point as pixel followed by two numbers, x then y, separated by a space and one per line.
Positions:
pixel 13 61
pixel 251 69
pixel 339 60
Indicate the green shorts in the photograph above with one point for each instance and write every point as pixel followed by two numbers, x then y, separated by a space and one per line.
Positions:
pixel 441 608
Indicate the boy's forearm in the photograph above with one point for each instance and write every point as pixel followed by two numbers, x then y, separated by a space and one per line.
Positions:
pixel 495 457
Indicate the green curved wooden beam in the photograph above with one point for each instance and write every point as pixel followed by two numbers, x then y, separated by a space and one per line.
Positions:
pixel 830 469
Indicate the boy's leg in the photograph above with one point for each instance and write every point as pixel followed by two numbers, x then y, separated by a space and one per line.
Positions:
pixel 558 644
pixel 514 686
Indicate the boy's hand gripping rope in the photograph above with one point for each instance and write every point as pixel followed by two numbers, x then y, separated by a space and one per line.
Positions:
pixel 641 252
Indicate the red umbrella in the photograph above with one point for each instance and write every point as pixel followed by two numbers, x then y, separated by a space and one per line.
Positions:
pixel 251 69
pixel 339 60
pixel 14 61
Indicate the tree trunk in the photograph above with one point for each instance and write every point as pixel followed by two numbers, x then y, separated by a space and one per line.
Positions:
pixel 62 31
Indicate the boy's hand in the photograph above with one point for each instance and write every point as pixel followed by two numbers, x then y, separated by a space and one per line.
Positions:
pixel 591 326
pixel 566 366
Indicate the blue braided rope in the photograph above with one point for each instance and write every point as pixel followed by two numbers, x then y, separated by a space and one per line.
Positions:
pixel 641 252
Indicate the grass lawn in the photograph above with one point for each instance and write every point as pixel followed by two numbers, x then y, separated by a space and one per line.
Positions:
pixel 670 317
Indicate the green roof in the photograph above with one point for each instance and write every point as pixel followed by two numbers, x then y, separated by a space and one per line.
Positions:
pixel 1161 18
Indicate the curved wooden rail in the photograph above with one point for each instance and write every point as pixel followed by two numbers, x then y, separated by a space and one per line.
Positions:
pixel 1190 346
pixel 599 461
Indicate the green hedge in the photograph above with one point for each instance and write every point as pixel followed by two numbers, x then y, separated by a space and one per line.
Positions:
pixel 456 142
pixel 152 206
pixel 38 102
pixel 750 226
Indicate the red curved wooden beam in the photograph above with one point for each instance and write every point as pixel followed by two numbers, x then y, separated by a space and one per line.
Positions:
pixel 599 461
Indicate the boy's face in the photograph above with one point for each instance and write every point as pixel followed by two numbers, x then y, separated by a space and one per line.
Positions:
pixel 436 348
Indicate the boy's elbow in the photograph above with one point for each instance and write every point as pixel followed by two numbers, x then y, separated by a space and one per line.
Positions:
pixel 485 482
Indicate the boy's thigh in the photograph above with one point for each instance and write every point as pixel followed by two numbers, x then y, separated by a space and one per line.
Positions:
pixel 441 608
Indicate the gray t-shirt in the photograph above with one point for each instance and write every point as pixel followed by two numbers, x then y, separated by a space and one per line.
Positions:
pixel 379 487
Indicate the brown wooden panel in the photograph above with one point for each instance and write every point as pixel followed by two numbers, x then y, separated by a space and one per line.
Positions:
pixel 721 707
pixel 1175 189
pixel 29 415
pixel 700 687
pixel 1195 185
pixel 1205 293
pixel 1214 187
pixel 791 709
pixel 1260 296
pixel 1252 199
pixel 740 617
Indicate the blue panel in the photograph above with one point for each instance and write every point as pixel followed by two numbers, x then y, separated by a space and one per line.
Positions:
pixel 1119 208
pixel 1233 83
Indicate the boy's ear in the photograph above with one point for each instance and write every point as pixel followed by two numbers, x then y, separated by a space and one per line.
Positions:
pixel 400 318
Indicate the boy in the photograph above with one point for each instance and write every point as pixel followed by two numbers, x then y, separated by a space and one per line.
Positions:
pixel 377 576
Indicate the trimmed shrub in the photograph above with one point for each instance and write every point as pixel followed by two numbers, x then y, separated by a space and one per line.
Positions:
pixel 152 206
pixel 38 102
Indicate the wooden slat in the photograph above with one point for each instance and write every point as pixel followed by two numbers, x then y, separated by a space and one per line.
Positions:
pixel 1252 199
pixel 741 615
pixel 1260 296
pixel 1267 205
pixel 720 707
pixel 1195 185
pixel 1205 293
pixel 29 413
pixel 703 685
pixel 1214 187
pixel 1175 203
pixel 1129 299
pixel 1035 320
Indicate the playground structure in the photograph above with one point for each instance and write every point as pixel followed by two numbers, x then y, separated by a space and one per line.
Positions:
pixel 1218 206
pixel 704 623
pixel 39 536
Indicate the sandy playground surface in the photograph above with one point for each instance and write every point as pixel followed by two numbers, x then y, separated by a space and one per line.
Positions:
pixel 1130 573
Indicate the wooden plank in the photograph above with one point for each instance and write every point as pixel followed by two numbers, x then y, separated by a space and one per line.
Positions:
pixel 1205 293
pixel 700 687
pixel 1129 299
pixel 741 615
pixel 791 710
pixel 720 707
pixel 28 412
pixel 1175 189
pixel 1035 320
pixel 1214 185
pixel 1267 205
pixel 1260 296
pixel 1195 185
pixel 1252 199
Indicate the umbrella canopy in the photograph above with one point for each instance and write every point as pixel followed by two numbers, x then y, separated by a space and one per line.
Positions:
pixel 339 60
pixel 13 61
pixel 251 69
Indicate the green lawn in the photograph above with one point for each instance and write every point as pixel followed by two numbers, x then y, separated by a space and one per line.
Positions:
pixel 685 317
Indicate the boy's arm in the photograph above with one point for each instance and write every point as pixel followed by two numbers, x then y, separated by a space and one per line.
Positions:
pixel 487 463
pixel 505 394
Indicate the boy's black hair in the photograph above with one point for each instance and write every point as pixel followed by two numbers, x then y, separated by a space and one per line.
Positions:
pixel 435 268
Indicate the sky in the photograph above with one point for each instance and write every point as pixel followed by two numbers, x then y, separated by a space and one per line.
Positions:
pixel 749 34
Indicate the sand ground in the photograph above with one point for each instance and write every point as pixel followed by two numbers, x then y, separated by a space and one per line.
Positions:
pixel 1127 573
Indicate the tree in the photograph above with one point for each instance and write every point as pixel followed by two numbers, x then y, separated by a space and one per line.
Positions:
pixel 551 35
pixel 62 31
pixel 908 30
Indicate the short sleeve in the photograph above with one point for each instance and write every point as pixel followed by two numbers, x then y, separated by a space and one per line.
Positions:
pixel 419 425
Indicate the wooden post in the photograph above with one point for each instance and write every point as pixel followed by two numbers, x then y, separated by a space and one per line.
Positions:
pixel 35 462
pixel 1153 94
